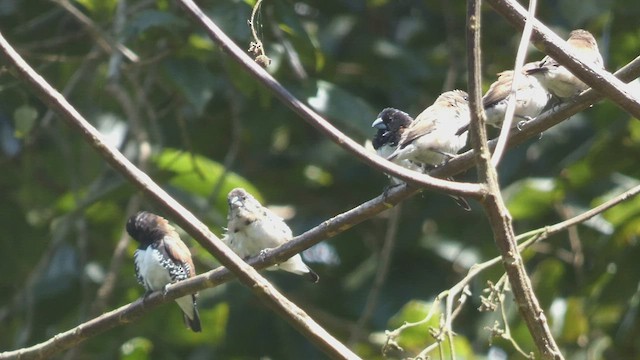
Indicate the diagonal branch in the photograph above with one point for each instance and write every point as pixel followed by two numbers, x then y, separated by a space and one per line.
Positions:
pixel 547 41
pixel 322 125
pixel 493 204
pixel 247 274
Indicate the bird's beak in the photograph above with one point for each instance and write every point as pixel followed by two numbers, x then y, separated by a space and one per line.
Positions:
pixel 235 202
pixel 379 124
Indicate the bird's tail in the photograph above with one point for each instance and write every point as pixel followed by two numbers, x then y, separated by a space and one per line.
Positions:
pixel 312 276
pixel 297 266
pixel 462 202
pixel 190 312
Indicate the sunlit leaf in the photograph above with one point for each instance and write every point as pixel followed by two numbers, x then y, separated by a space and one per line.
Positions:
pixel 576 324
pixel 531 198
pixel 24 119
pixel 199 175
pixel 138 348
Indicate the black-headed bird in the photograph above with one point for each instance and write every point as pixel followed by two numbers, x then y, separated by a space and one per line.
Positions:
pixel 161 259
pixel 392 124
pixel 438 133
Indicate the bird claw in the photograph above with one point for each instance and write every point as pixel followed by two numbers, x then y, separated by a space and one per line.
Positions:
pixel 165 290
pixel 145 296
pixel 385 191
pixel 521 124
pixel 263 253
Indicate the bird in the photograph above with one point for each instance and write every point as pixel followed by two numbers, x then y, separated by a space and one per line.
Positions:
pixel 436 134
pixel 531 97
pixel 161 259
pixel 252 229
pixel 391 124
pixel 557 78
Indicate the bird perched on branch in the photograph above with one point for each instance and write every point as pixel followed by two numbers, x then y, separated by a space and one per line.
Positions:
pixel 557 78
pixel 392 124
pixel 161 259
pixel 252 228
pixel 438 133
pixel 530 97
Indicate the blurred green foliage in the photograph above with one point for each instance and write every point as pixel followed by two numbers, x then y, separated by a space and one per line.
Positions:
pixel 212 127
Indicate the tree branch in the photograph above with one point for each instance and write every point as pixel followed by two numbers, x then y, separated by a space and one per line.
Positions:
pixel 550 43
pixel 247 274
pixel 493 204
pixel 318 122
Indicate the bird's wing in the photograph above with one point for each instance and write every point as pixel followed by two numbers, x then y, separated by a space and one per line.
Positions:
pixel 179 253
pixel 499 90
pixel 416 130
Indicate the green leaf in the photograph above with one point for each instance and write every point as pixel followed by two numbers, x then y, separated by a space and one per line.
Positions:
pixel 138 348
pixel 532 197
pixel 199 175
pixel 24 117
pixel 415 338
pixel 147 19
pixel 576 323
pixel 99 7
pixel 547 279
pixel 195 81
pixel 338 104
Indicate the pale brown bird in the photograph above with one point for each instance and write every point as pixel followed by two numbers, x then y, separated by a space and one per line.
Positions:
pixel 558 79
pixel 438 133
pixel 531 97
pixel 252 228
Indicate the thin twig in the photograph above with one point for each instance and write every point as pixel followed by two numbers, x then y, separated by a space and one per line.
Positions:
pixel 504 288
pixel 576 253
pixel 517 76
pixel 256 48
